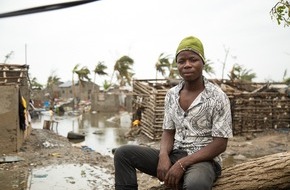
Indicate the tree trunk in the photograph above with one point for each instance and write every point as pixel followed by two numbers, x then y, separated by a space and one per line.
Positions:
pixel 268 172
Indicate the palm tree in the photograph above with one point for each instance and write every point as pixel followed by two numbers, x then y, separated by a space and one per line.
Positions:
pixel 173 70
pixel 73 85
pixel 106 85
pixel 162 64
pixel 241 74
pixel 35 84
pixel 99 70
pixel 51 82
pixel 123 66
pixel 165 67
pixel 83 74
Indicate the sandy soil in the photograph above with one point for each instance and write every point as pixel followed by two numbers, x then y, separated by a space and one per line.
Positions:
pixel 45 148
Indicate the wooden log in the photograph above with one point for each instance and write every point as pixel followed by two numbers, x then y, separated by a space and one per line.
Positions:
pixel 270 172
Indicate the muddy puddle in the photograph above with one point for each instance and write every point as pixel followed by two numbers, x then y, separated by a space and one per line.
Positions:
pixel 103 131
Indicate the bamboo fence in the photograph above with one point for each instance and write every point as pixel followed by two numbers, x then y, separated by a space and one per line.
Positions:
pixel 254 111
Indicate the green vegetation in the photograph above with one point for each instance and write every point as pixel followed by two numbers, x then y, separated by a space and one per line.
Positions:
pixel 35 84
pixel 123 70
pixel 239 73
pixel 100 70
pixel 281 12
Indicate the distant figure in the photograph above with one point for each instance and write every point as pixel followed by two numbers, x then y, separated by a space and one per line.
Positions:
pixel 31 109
pixel 80 121
pixel 139 113
pixel 51 113
pixel 196 127
pixel 135 127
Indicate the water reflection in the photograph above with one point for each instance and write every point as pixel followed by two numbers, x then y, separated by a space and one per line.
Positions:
pixel 103 131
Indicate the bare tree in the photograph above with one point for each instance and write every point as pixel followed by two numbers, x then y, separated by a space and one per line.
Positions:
pixel 285 78
pixel 227 50
pixel 7 57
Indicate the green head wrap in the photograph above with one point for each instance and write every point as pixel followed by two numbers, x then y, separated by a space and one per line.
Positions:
pixel 192 44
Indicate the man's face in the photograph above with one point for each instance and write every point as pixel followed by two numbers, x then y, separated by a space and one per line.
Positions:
pixel 189 65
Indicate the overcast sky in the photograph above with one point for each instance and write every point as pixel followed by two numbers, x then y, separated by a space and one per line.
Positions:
pixel 105 30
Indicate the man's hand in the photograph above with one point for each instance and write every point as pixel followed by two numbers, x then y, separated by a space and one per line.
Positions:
pixel 166 145
pixel 173 176
pixel 164 165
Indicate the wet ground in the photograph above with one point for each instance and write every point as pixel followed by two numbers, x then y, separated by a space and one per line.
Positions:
pixel 69 176
pixel 51 162
pixel 103 131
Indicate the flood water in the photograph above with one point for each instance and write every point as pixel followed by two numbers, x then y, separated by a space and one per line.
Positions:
pixel 103 131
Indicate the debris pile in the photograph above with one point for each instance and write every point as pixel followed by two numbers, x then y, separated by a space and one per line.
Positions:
pixel 255 106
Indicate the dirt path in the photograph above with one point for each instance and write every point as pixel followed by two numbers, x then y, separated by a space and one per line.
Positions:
pixel 45 148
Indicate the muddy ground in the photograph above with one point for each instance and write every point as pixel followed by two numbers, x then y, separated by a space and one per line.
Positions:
pixel 46 148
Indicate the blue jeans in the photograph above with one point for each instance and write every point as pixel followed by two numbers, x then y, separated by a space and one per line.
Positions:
pixel 128 158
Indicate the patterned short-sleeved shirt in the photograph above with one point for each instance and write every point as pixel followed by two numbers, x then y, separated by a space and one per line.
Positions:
pixel 208 116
